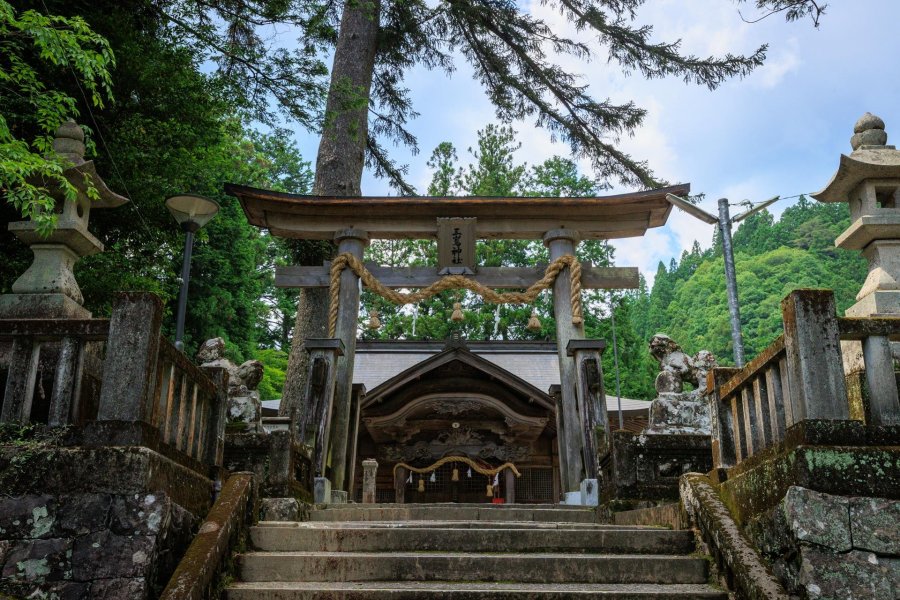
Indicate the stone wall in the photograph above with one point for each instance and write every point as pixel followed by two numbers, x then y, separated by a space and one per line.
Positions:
pixel 830 547
pixel 90 545
pixel 80 523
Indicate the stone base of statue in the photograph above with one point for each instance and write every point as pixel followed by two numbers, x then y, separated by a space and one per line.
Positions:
pixel 684 413
pixel 641 467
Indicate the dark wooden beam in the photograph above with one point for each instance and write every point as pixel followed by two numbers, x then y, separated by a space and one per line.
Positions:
pixel 492 277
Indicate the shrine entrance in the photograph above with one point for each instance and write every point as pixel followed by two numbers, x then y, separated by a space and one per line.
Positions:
pixel 575 425
pixel 458 411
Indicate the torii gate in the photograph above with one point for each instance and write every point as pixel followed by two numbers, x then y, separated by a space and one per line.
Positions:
pixel 560 222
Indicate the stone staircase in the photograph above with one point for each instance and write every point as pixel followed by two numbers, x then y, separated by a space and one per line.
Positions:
pixel 454 551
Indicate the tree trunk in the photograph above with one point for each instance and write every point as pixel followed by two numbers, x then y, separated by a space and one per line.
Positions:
pixel 339 166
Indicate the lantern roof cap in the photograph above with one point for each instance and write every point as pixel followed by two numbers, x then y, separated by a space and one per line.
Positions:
pixel 871 158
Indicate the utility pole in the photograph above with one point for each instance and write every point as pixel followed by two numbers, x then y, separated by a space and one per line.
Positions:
pixel 725 221
pixel 734 310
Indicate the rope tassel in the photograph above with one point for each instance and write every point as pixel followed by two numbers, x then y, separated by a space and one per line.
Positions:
pixel 374 321
pixel 457 315
pixel 450 282
pixel 534 324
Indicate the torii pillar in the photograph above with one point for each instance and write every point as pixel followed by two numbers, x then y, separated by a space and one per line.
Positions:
pixel 353 241
pixel 569 425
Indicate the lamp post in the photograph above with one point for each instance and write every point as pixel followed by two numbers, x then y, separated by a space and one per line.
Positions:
pixel 724 221
pixel 191 212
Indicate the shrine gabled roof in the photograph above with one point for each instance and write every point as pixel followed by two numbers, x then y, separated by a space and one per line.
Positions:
pixel 463 355
pixel 535 362
pixel 386 217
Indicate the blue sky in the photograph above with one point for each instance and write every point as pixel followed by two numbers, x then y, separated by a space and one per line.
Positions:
pixel 779 131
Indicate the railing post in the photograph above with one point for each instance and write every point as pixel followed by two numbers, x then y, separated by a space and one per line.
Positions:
pixel 20 381
pixel 883 407
pixel 591 401
pixel 213 449
pixel 723 442
pixel 129 371
pixel 813 348
pixel 67 382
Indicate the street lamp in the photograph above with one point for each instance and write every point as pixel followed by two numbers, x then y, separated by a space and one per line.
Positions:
pixel 725 221
pixel 192 212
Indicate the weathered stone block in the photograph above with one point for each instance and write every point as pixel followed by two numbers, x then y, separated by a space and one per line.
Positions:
pixel 80 514
pixel 38 560
pixel 818 518
pixel 105 555
pixel 322 490
pixel 54 590
pixel 875 523
pixel 140 514
pixel 119 589
pixel 27 517
pixel 280 509
pixel 5 548
pixel 829 576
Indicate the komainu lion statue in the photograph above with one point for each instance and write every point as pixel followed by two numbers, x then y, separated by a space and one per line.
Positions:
pixel 674 410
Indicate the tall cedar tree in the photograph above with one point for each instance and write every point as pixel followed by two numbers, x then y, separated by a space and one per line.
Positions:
pixel 511 53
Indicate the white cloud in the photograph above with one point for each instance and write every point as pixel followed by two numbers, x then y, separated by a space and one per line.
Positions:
pixel 778 66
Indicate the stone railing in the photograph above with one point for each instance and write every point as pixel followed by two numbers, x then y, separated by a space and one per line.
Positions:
pixel 224 531
pixel 800 376
pixel 67 348
pixel 115 371
pixel 740 568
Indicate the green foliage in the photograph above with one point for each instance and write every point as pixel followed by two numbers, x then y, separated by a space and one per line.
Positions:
pixel 275 363
pixel 689 301
pixel 36 50
pixel 175 129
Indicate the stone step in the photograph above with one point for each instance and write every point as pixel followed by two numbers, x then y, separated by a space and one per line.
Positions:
pixel 441 590
pixel 423 524
pixel 523 568
pixel 328 537
pixel 455 512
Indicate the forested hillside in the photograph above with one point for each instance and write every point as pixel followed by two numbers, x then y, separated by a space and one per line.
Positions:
pixel 688 300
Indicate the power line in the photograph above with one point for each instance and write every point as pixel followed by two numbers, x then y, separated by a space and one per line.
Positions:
pixel 745 202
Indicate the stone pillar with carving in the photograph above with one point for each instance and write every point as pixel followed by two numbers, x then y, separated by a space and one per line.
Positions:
pixel 370 474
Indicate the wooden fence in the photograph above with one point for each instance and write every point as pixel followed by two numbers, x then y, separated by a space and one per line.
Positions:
pixel 801 376
pixel 142 377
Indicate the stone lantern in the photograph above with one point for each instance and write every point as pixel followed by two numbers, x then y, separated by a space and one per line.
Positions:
pixel 47 289
pixel 869 179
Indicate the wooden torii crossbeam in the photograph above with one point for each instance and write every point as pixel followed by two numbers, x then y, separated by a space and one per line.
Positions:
pixel 493 277
pixel 456 222
pixel 390 217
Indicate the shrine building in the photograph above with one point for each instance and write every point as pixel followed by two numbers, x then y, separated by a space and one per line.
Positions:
pixel 455 422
